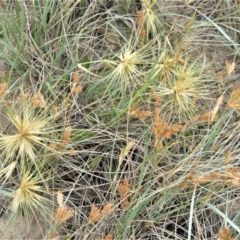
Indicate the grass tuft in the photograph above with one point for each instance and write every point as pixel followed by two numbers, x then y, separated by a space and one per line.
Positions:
pixel 120 119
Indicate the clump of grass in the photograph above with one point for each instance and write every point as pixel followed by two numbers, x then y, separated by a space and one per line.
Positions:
pixel 124 117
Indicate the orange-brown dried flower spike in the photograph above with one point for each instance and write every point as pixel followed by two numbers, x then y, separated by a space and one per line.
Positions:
pixel 66 135
pixel 54 110
pixel 63 214
pixel 75 77
pixel 107 209
pixel 3 89
pixel 65 139
pixel 108 237
pixel 142 115
pixel 124 189
pixel 38 100
pixel 206 117
pixel 224 234
pixel 53 146
pixel 95 214
pixel 162 130
pixel 76 89
pixel 157 98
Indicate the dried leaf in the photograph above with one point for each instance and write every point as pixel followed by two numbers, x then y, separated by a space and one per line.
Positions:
pixel 230 67
pixel 63 214
pixel 95 214
pixel 216 108
pixel 234 100
pixel 209 116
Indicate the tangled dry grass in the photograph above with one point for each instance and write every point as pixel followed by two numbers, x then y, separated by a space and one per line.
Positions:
pixel 120 119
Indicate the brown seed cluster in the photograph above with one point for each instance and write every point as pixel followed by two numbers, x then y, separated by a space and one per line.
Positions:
pixel 76 87
pixel 3 89
pixel 38 100
pixel 63 213
pixel 124 190
pixel 142 115
pixel 64 143
pixel 224 234
pixel 96 214
pixel 108 237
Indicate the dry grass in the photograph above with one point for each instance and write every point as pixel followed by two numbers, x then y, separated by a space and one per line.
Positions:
pixel 120 119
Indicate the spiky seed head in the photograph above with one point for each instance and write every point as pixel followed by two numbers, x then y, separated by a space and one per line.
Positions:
pixel 28 132
pixel 125 72
pixel 127 66
pixel 28 197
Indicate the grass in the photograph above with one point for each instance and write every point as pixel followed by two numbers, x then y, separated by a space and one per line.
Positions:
pixel 120 119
